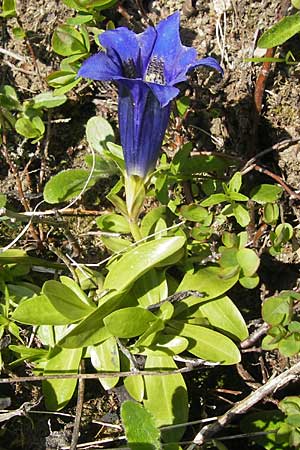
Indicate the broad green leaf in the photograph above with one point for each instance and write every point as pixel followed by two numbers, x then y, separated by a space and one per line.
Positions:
pixel 224 316
pixel 149 221
pixel 8 8
pixel 249 282
pixel 98 133
pixel 277 310
pixel 115 244
pixel 59 392
pixel 183 104
pixel 248 260
pixel 166 345
pixel 105 358
pixel 194 213
pixel 280 32
pixel 135 387
pixel 214 199
pixel 91 330
pixel 207 280
pixel 151 288
pixel 289 346
pixel 76 289
pixel 114 223
pixel 208 344
pixel 140 429
pixel 263 422
pixel 140 259
pixel 30 129
pixel 166 397
pixel 241 214
pixel 290 405
pixel 67 185
pixel 8 98
pixel 235 183
pixel 66 301
pixel 129 322
pixel 266 193
pixel 48 100
pixel 61 78
pixel 3 199
pixel 102 167
pixel 38 310
pixel 270 213
pixel 67 41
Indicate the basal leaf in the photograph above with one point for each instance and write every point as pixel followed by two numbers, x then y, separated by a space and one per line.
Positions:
pixel 67 185
pixel 59 392
pixel 140 259
pixel 280 32
pixel 105 357
pixel 140 429
pixel 166 397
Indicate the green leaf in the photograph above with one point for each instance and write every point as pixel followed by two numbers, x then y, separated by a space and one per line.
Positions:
pixel 129 322
pixel 290 405
pixel 66 301
pixel 270 213
pixel 140 429
pixel 61 78
pixel 59 392
pixel 140 259
pixel 67 41
pixel 194 212
pixel 91 330
pixel 214 199
pixel 248 260
pixel 183 104
pixel 48 100
pixel 207 280
pixel 224 316
pixel 39 311
pixel 114 223
pixel 241 214
pixel 249 282
pixel 102 167
pixel 266 193
pixel 150 220
pixel 105 357
pixel 208 344
pixel 8 8
pixel 166 397
pixel 166 345
pixel 135 387
pixel 277 310
pixel 263 422
pixel 3 200
pixel 8 98
pixel 98 133
pixel 280 32
pixel 151 288
pixel 30 128
pixel 235 183
pixel 289 345
pixel 67 185
pixel 77 290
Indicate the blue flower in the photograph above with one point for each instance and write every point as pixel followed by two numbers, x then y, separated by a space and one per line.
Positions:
pixel 147 67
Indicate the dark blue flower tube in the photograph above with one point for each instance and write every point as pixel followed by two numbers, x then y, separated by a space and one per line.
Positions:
pixel 146 67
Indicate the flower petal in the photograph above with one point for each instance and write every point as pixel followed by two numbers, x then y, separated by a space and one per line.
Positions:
pixel 164 94
pixel 142 124
pixel 123 44
pixel 168 48
pixel 100 67
pixel 146 41
pixel 210 62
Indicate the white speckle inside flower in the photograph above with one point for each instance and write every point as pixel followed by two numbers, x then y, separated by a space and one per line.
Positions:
pixel 155 71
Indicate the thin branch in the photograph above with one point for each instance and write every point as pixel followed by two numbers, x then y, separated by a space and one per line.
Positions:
pixel 244 405
pixel 96 376
pixel 79 406
pixel 251 340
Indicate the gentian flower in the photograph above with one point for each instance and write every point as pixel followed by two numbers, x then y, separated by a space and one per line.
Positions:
pixel 146 67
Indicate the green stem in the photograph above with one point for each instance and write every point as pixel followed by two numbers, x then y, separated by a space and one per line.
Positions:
pixel 135 230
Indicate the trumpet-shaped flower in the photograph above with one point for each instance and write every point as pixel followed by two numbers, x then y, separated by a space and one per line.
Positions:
pixel 146 67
